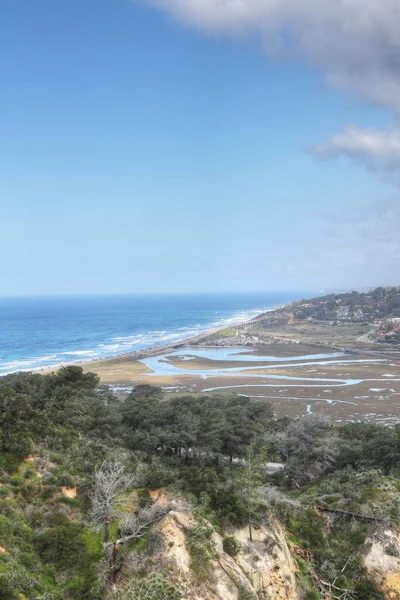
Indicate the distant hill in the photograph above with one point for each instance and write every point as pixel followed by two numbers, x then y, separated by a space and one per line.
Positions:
pixel 381 306
pixel 380 303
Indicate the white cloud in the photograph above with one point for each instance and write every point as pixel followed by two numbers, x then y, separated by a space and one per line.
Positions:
pixel 378 150
pixel 355 43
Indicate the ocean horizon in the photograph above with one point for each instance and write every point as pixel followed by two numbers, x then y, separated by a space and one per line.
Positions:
pixel 48 331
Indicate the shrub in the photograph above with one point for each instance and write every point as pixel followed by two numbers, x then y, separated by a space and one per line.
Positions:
pixel 93 542
pixel 156 541
pixel 48 492
pixel 392 551
pixel 366 588
pixel 28 473
pixel 50 479
pixel 28 560
pixel 311 595
pixel 31 490
pixel 200 547
pixel 153 587
pixel 65 480
pixel 9 461
pixel 66 500
pixel 81 587
pixel 232 545
pixel 309 528
pixel 16 480
pixel 4 490
pixel 244 593
pixel 331 499
pixel 6 529
pixel 145 498
pixel 20 580
pixel 62 545
pixel 6 590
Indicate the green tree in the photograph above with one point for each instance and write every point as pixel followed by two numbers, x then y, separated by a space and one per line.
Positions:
pixel 249 483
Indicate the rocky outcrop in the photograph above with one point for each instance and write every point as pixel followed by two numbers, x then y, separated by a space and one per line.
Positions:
pixel 383 560
pixel 268 562
pixel 263 569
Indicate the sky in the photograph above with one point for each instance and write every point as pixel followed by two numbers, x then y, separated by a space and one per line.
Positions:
pixel 198 145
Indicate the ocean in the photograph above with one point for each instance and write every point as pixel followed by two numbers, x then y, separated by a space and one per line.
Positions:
pixel 40 332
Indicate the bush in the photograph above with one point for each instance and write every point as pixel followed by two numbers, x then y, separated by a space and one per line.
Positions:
pixel 366 588
pixel 48 492
pixel 155 541
pixel 16 480
pixel 62 545
pixel 9 462
pixel 28 473
pixel 153 587
pixel 245 594
pixel 81 587
pixel 19 579
pixel 145 498
pixel 231 545
pixel 392 551
pixel 31 490
pixel 6 529
pixel 309 528
pixel 331 499
pixel 28 560
pixel 65 480
pixel 6 589
pixel 66 500
pixel 200 547
pixel 93 542
pixel 311 595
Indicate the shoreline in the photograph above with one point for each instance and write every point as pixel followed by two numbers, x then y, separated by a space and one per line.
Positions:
pixel 145 352
pixel 155 350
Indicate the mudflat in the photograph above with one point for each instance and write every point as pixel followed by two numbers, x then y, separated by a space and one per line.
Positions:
pixel 296 377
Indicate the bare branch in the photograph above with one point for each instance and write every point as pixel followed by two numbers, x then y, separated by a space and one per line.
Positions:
pixel 110 482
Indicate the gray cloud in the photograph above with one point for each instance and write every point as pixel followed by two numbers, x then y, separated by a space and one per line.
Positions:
pixel 355 43
pixel 377 150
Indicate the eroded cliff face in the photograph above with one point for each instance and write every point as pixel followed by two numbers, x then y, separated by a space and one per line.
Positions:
pixel 383 560
pixel 263 568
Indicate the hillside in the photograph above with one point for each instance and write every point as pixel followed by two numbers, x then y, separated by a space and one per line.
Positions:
pixel 380 306
pixel 335 319
pixel 103 497
pixel 380 303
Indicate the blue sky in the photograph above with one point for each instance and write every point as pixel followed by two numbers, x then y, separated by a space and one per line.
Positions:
pixel 145 150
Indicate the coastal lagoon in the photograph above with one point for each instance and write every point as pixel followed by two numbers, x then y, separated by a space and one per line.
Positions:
pixel 342 386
